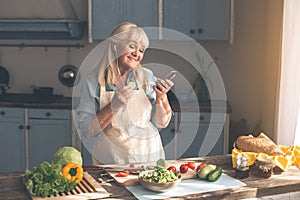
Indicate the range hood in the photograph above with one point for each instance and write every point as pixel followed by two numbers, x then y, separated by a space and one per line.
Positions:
pixel 42 29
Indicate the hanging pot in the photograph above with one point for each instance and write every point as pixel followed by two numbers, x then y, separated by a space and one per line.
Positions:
pixel 4 80
pixel 68 75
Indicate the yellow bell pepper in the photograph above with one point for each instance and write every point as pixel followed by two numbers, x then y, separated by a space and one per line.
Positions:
pixel 72 172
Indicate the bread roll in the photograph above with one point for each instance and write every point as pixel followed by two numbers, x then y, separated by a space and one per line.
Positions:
pixel 260 144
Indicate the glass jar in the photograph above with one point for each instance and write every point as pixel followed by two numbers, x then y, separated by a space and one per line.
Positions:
pixel 242 168
pixel 264 167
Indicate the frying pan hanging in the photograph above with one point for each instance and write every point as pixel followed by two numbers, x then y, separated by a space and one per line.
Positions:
pixel 68 75
pixel 4 77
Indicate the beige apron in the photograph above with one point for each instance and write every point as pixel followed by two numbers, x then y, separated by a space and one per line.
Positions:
pixel 132 138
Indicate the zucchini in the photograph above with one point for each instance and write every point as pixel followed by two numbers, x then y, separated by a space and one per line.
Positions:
pixel 205 171
pixel 215 174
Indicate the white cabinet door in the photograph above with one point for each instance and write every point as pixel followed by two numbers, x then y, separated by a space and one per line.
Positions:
pixel 198 19
pixel 12 140
pixel 189 139
pixel 167 136
pixel 187 135
pixel 48 130
pixel 108 14
pixel 105 16
pixel 180 16
pixel 141 12
pixel 214 20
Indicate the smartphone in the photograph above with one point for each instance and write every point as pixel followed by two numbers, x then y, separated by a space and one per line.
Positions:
pixel 171 75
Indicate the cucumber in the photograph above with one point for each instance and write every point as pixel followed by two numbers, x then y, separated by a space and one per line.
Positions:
pixel 204 171
pixel 215 174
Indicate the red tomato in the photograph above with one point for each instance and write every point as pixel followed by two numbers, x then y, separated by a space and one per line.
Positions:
pixel 183 168
pixel 172 168
pixel 191 165
pixel 123 174
pixel 200 166
pixel 131 165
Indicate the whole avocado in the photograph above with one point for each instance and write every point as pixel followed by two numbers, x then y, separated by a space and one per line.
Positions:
pixel 65 155
pixel 204 171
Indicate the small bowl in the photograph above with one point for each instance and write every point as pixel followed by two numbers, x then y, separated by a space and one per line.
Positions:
pixel 158 187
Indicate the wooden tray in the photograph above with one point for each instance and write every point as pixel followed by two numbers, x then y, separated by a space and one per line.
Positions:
pixel 88 188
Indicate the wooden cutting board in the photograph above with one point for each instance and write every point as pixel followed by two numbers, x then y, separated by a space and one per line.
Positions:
pixel 88 188
pixel 132 179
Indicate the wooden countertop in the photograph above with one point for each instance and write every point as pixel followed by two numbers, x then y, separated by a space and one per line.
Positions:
pixel 62 103
pixel 287 182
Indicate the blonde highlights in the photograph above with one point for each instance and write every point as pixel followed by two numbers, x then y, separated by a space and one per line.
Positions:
pixel 124 32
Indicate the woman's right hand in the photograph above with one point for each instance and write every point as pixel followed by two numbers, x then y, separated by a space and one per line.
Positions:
pixel 122 95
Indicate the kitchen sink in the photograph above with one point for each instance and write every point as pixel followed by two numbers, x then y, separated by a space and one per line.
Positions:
pixel 28 98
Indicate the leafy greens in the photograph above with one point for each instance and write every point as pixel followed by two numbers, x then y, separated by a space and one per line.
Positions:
pixel 46 179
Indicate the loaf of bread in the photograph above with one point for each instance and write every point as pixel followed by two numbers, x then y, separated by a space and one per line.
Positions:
pixel 260 144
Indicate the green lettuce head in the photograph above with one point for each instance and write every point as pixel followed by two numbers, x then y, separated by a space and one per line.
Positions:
pixel 65 155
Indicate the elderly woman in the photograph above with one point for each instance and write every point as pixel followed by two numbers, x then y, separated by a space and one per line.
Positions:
pixel 124 104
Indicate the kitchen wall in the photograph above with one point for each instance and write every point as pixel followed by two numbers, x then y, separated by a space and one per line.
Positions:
pixel 249 66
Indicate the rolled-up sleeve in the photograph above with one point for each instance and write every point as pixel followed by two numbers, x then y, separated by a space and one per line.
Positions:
pixel 88 104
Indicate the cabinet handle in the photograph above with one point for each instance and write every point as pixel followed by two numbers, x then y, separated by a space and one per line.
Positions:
pixel 201 118
pixel 21 127
pixel 192 31
pixel 48 114
pixel 200 30
pixel 2 112
pixel 28 127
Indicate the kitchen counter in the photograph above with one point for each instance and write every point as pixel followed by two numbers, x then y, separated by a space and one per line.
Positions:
pixel 60 103
pixel 286 183
pixel 66 103
pixel 204 106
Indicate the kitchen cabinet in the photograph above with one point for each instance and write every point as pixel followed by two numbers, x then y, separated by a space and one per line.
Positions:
pixel 30 136
pixel 186 132
pixel 48 130
pixel 107 14
pixel 12 140
pixel 198 19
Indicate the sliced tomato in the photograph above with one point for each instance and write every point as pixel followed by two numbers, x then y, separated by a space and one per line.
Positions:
pixel 200 166
pixel 123 174
pixel 183 168
pixel 191 165
pixel 172 168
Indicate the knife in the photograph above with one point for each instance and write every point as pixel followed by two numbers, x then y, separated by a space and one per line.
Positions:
pixel 121 169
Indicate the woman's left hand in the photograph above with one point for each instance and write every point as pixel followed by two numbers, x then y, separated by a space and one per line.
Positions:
pixel 162 86
pixel 163 109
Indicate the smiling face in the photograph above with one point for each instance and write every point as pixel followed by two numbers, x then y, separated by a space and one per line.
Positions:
pixel 132 54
